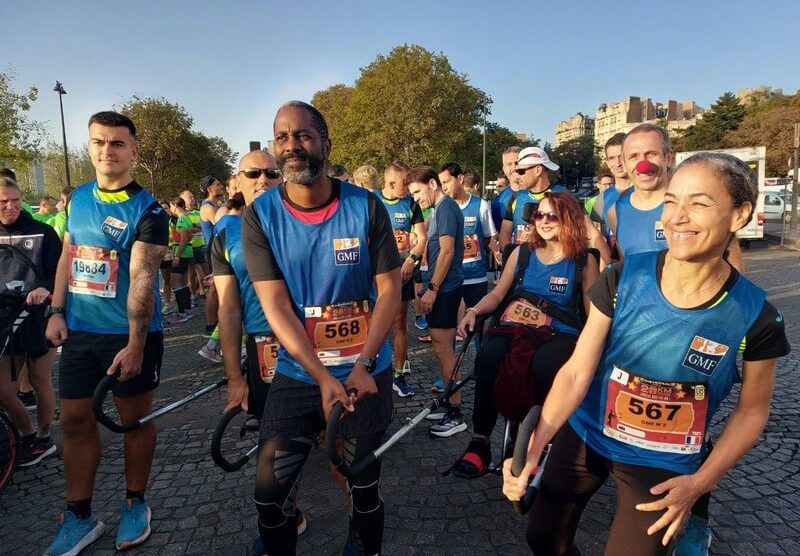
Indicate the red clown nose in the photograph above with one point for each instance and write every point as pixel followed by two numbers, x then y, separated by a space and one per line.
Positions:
pixel 645 167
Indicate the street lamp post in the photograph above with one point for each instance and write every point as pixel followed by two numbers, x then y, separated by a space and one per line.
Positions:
pixel 59 88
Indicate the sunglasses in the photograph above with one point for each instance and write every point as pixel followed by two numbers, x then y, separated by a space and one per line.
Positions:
pixel 539 215
pixel 254 173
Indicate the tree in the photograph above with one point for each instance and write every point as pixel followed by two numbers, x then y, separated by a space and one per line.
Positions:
pixel 409 105
pixel 769 123
pixel 724 116
pixel 577 158
pixel 469 151
pixel 19 137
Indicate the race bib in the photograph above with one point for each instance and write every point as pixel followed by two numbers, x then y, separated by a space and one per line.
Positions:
pixel 267 350
pixel 93 271
pixel 472 248
pixel 660 416
pixel 522 311
pixel 338 332
pixel 522 233
pixel 403 240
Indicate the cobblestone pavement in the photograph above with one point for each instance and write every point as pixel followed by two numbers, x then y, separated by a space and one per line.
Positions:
pixel 197 508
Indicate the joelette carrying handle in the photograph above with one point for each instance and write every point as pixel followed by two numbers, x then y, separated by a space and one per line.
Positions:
pixel 108 383
pixel 526 428
pixel 216 443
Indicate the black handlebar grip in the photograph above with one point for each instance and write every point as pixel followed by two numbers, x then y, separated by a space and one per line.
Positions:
pixel 526 428
pixel 216 442
pixel 97 403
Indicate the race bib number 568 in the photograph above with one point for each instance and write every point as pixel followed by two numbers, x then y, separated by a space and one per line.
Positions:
pixel 338 332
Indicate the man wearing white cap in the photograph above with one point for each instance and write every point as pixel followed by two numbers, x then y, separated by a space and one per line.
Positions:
pixel 532 166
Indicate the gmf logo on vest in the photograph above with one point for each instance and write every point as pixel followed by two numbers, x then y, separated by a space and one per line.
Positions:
pixel 704 355
pixel 346 251
pixel 113 227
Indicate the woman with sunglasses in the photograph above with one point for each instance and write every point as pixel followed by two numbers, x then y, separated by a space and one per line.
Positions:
pixel 657 357
pixel 557 247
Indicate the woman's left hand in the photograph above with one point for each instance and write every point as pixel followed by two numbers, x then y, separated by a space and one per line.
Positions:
pixel 681 494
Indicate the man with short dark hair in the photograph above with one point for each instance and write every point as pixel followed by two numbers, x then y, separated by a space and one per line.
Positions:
pixel 620 179
pixel 500 202
pixel 106 302
pixel 443 277
pixel 340 173
pixel 330 299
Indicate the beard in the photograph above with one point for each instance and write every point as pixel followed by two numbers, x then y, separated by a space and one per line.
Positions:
pixel 313 168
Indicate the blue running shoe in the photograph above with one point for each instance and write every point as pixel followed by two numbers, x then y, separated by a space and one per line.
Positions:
pixel 74 535
pixel 696 538
pixel 438 386
pixel 401 387
pixel 421 322
pixel 134 524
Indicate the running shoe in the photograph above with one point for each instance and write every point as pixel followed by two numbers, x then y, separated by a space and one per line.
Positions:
pixel 195 302
pixel 34 449
pixel 696 538
pixel 134 523
pixel 177 318
pixel 402 387
pixel 28 399
pixel 421 322
pixel 168 308
pixel 425 336
pixel 452 423
pixel 74 535
pixel 438 386
pixel 211 354
pixel 439 413
pixel 208 330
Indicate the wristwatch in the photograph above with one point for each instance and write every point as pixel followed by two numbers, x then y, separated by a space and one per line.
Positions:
pixel 368 362
pixel 53 310
pixel 416 258
pixel 433 287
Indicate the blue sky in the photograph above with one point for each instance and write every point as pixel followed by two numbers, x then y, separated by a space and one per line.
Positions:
pixel 231 64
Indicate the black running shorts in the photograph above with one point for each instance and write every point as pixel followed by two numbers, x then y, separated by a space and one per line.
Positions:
pixel 444 313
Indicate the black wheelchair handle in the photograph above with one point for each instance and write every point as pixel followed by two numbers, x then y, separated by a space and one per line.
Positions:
pixel 99 397
pixel 332 435
pixel 216 442
pixel 526 428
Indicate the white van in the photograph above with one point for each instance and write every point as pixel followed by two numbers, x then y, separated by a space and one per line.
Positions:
pixel 756 158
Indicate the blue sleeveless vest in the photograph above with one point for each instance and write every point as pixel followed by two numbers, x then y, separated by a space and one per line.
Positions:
pixel 473 265
pixel 328 273
pixel 400 216
pixel 555 283
pixel 664 371
pixel 205 226
pixel 101 238
pixel 639 231
pixel 255 323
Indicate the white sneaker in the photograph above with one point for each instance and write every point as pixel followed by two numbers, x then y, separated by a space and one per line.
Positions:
pixel 210 354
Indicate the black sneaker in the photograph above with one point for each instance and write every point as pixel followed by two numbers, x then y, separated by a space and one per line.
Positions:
pixel 452 423
pixel 28 399
pixel 475 460
pixel 208 330
pixel 34 449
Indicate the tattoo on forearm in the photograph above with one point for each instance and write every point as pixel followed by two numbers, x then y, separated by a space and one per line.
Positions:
pixel 145 261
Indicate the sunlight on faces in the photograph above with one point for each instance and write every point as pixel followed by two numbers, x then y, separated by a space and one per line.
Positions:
pixel 395 182
pixel 252 188
pixel 646 145
pixel 451 185
pixel 422 193
pixel 10 204
pixel 546 228
pixel 300 151
pixel 699 216
pixel 112 150
pixel 509 164
pixel 531 177
pixel 615 161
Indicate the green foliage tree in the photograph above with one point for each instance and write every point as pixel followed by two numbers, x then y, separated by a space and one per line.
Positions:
pixel 469 151
pixel 409 105
pixel 724 116
pixel 19 136
pixel 577 158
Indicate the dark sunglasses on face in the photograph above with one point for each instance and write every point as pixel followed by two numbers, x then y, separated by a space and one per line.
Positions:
pixel 539 215
pixel 254 173
pixel 521 171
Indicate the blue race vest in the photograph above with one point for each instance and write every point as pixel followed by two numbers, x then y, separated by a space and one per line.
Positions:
pixel 205 226
pixel 255 323
pixel 327 270
pixel 639 231
pixel 222 223
pixel 664 371
pixel 473 264
pixel 101 238
pixel 555 283
pixel 400 216
pixel 610 197
pixel 522 230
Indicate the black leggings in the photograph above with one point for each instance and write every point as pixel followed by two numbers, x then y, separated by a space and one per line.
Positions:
pixel 280 465
pixel 546 362
pixel 574 472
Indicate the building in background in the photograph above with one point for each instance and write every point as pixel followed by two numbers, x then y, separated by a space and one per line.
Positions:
pixel 746 96
pixel 575 127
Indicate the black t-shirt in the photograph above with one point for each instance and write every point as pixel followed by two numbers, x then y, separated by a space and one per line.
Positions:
pixel 51 244
pixel 153 226
pixel 261 263
pixel 766 339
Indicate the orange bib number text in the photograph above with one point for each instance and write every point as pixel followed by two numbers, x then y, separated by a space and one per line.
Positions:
pixel 403 240
pixel 93 271
pixel 267 350
pixel 472 248
pixel 661 416
pixel 338 332
pixel 522 311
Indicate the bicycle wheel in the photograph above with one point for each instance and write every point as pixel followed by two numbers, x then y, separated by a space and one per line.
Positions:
pixel 9 447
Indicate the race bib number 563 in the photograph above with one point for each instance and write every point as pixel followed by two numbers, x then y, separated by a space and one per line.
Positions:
pixel 338 332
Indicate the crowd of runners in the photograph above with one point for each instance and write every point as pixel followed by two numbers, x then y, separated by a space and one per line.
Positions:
pixel 627 318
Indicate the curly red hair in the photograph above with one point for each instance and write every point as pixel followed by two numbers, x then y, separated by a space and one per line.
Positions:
pixel 572 234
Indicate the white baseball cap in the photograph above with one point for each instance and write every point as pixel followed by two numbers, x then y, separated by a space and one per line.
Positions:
pixel 533 156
